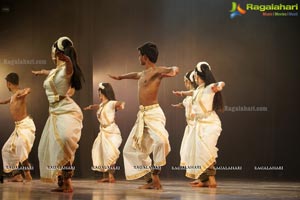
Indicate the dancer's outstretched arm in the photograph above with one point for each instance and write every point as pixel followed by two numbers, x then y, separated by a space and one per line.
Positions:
pixel 5 101
pixel 41 72
pixel 92 107
pixel 183 93
pixel 178 105
pixel 131 75
pixel 168 71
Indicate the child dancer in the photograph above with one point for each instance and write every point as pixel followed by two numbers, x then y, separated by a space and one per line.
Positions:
pixel 105 150
pixel 190 84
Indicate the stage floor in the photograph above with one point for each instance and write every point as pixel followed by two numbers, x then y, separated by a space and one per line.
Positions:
pixel 172 189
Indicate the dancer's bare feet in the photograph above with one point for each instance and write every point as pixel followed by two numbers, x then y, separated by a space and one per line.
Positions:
pixel 16 178
pixel 195 182
pixel 28 177
pixel 151 186
pixel 155 184
pixel 146 186
pixel 200 184
pixel 66 188
pixel 103 180
pixel 205 184
pixel 211 183
pixel 111 178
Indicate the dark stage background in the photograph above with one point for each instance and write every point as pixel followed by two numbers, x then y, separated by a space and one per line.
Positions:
pixel 256 56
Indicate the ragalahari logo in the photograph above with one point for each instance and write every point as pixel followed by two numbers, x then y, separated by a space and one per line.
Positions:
pixel 236 10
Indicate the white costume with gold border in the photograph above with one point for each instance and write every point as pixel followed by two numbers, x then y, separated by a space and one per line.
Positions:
pixel 206 132
pixel 62 131
pixel 19 144
pixel 147 136
pixel 185 146
pixel 105 150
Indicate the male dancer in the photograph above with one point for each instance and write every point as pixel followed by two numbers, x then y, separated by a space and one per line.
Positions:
pixel 18 146
pixel 148 134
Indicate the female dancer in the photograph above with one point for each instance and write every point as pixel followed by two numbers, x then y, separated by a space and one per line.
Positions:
pixel 206 100
pixel 62 131
pixel 190 84
pixel 105 152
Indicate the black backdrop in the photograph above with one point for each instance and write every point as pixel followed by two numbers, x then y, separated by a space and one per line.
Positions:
pixel 256 56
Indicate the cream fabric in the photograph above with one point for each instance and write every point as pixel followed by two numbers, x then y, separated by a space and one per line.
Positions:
pixel 204 136
pixel 147 136
pixel 62 131
pixel 105 151
pixel 185 144
pixel 19 144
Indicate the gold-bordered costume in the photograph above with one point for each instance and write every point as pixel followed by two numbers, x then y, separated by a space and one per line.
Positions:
pixel 62 131
pixel 147 136
pixel 205 133
pixel 185 144
pixel 105 151
pixel 19 144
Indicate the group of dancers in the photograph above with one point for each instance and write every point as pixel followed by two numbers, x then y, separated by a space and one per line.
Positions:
pixel 62 132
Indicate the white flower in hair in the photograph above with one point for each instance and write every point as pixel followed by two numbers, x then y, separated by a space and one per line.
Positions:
pixel 60 40
pixel 101 86
pixel 198 67
pixel 192 76
pixel 53 49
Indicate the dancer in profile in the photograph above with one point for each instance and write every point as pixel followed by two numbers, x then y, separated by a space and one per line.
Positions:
pixel 62 131
pixel 148 134
pixel 207 99
pixel 16 150
pixel 191 85
pixel 105 151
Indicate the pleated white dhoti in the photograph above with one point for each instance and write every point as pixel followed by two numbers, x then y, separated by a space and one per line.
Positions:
pixel 19 144
pixel 147 136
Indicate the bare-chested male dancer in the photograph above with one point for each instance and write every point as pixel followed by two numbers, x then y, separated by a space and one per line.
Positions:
pixel 148 134
pixel 18 146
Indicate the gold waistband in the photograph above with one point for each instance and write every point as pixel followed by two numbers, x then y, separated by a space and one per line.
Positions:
pixel 145 108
